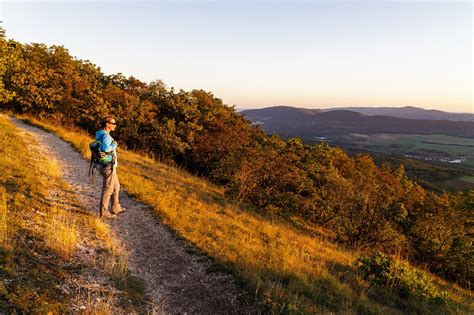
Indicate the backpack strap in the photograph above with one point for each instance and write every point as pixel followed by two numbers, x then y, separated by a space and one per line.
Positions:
pixel 90 167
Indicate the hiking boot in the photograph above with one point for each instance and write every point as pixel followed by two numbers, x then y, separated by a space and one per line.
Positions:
pixel 108 215
pixel 123 209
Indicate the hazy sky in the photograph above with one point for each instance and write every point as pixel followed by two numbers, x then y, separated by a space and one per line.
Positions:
pixel 260 53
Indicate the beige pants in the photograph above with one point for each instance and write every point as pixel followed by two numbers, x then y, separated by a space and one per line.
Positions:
pixel 110 188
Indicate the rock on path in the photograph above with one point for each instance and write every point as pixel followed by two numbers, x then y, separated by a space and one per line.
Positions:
pixel 177 281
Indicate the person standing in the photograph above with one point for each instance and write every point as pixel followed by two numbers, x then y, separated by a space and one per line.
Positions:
pixel 108 169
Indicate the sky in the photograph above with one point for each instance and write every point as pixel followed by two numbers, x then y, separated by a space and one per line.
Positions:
pixel 253 54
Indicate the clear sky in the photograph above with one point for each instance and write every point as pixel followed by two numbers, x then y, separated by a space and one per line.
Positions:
pixel 252 54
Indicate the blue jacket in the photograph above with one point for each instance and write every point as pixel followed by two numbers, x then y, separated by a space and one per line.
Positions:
pixel 108 145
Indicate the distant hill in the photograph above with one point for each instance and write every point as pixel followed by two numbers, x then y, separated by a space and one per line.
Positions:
pixel 308 123
pixel 284 112
pixel 408 112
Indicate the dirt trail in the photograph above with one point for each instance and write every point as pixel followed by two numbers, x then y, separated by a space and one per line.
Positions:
pixel 177 280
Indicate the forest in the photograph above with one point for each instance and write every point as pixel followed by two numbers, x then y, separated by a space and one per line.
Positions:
pixel 367 207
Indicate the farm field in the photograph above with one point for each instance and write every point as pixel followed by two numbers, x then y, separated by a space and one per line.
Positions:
pixel 468 179
pixel 413 143
pixel 461 183
pixel 469 162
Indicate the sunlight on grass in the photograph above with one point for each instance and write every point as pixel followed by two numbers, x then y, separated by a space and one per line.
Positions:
pixel 6 230
pixel 115 263
pixel 96 303
pixel 280 260
pixel 101 229
pixel 61 234
pixel 40 215
pixel 289 267
pixel 50 169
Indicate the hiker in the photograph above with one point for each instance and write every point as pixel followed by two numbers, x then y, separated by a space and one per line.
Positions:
pixel 108 169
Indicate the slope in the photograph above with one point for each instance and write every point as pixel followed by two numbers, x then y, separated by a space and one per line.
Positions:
pixel 291 267
pixel 177 280
pixel 54 255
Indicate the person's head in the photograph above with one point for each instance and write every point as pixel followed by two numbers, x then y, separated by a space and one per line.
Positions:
pixel 108 123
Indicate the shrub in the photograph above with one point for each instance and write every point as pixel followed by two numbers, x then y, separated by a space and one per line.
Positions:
pixel 400 278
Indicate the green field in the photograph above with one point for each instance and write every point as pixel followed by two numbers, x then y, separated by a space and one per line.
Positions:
pixel 451 146
pixel 468 162
pixel 468 179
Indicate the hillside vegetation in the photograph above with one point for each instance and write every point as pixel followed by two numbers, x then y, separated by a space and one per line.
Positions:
pixel 361 206
pixel 291 267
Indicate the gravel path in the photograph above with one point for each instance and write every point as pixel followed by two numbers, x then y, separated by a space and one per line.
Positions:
pixel 177 280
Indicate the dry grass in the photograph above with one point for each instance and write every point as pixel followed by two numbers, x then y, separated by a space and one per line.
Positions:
pixel 44 232
pixel 290 268
pixel 7 231
pixel 101 306
pixel 61 232
pixel 50 169
pixel 115 263
pixel 280 262
pixel 101 229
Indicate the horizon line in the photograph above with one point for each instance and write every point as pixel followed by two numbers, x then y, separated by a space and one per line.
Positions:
pixel 240 108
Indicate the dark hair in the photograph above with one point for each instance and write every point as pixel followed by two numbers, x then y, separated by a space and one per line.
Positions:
pixel 103 122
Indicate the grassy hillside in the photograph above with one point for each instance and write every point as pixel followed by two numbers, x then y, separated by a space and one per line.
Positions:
pixel 289 267
pixel 50 248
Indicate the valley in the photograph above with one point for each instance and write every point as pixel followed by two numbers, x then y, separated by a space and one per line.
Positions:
pixel 438 158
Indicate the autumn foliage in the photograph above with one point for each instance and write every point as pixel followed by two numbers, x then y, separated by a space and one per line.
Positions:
pixel 367 207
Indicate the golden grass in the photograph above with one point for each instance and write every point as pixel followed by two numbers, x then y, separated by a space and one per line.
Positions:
pixel 289 268
pixel 279 261
pixel 101 304
pixel 61 232
pixel 50 169
pixel 116 262
pixel 101 229
pixel 49 223
pixel 103 307
pixel 6 229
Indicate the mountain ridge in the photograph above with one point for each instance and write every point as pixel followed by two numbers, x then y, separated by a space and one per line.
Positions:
pixel 288 121
pixel 406 112
pixel 409 112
